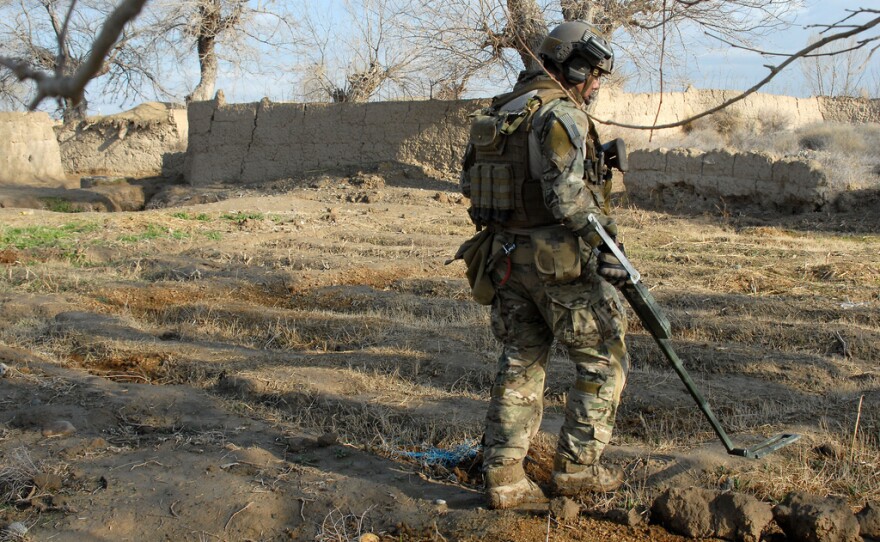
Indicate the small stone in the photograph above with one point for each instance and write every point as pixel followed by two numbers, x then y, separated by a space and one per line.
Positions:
pixel 368 537
pixel 4 370
pixel 869 521
pixel 564 509
pixel 15 531
pixel 630 517
pixel 328 439
pixel 299 444
pixel 60 428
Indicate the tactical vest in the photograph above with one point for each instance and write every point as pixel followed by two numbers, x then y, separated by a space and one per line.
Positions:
pixel 502 189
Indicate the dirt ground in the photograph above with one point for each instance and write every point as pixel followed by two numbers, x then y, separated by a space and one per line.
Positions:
pixel 295 361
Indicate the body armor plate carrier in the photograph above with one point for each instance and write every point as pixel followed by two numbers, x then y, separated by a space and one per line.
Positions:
pixel 502 189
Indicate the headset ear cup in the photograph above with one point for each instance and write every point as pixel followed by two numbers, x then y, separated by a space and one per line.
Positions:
pixel 574 76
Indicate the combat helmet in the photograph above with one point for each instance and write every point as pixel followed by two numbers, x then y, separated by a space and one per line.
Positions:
pixel 575 49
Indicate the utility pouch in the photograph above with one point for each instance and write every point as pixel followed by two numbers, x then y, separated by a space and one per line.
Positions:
pixel 476 252
pixel 557 255
pixel 486 135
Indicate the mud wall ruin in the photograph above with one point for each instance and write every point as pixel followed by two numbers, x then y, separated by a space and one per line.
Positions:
pixel 149 140
pixel 257 142
pixel 264 141
pixel 693 179
pixel 29 154
pixel 212 142
pixel 641 108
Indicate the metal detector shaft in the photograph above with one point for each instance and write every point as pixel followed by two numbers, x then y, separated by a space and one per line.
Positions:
pixel 655 321
pixel 640 298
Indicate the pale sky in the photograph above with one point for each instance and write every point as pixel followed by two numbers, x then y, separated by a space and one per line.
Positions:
pixel 739 70
pixel 717 66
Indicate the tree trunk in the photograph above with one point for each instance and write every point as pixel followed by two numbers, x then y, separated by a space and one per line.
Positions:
pixel 207 70
pixel 210 24
pixel 71 113
pixel 526 30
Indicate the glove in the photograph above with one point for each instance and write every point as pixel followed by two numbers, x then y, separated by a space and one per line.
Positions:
pixel 610 267
pixel 591 237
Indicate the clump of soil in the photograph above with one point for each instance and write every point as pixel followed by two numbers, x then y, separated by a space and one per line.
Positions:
pixel 701 513
pixel 816 519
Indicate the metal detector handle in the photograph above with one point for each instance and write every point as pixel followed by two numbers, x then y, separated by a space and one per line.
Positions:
pixel 609 242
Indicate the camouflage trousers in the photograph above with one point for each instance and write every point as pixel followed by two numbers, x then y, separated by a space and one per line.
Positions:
pixel 586 316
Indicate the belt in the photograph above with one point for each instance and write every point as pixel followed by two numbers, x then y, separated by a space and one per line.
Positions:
pixel 523 255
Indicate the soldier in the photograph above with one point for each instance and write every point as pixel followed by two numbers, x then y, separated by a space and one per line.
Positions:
pixel 532 172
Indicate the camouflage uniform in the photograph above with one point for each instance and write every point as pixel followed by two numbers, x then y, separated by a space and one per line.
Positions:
pixel 531 309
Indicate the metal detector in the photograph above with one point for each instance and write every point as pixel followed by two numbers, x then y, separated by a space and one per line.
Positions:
pixel 657 324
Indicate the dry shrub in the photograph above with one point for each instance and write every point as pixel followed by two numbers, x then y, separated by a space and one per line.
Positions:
pixel 16 475
pixel 769 121
pixel 728 122
pixel 825 137
pixel 733 128
pixel 847 152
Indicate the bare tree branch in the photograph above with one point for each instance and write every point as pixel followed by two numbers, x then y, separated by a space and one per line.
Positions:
pixel 72 87
pixel 774 71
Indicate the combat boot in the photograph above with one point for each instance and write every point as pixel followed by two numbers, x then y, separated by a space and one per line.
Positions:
pixel 570 479
pixel 508 487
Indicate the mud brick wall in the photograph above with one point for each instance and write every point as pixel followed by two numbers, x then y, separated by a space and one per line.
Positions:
pixel 256 142
pixel 693 179
pixel 852 110
pixel 264 141
pixel 149 140
pixel 29 154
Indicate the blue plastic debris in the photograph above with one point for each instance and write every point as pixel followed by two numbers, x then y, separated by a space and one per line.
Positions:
pixel 432 456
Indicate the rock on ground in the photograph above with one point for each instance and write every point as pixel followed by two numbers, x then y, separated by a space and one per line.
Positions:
pixel 869 521
pixel 811 518
pixel 697 513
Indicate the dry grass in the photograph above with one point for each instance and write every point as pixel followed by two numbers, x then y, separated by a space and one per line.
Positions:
pixel 17 472
pixel 341 527
pixel 781 308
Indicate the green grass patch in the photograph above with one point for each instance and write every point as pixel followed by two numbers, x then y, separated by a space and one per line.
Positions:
pixel 213 235
pixel 241 216
pixel 152 231
pixel 32 237
pixel 201 217
pixel 60 205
